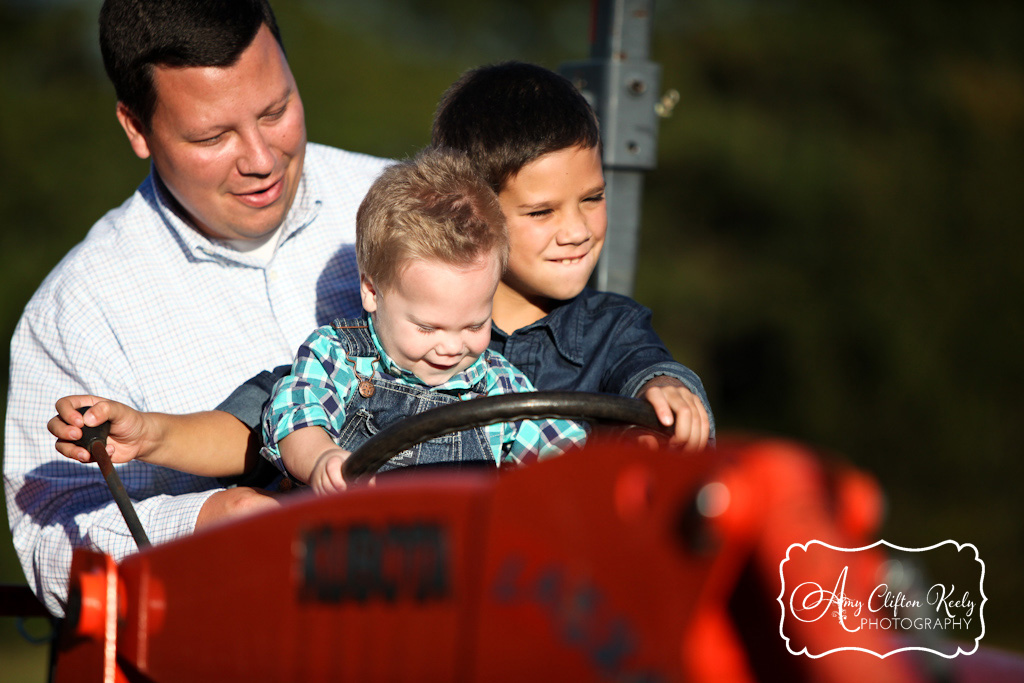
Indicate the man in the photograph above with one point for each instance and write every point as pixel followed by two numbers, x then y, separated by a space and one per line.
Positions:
pixel 241 224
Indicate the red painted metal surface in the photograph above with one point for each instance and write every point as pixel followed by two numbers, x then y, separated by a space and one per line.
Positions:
pixel 613 564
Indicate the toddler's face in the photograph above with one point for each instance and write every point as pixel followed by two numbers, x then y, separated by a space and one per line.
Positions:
pixel 437 320
pixel 557 219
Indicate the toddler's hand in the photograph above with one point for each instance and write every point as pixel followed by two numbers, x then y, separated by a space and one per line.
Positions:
pixel 128 438
pixel 326 475
pixel 677 406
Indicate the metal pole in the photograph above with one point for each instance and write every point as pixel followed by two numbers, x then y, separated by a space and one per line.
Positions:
pixel 622 85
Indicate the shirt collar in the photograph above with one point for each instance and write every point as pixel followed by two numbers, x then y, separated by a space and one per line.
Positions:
pixel 304 210
pixel 564 326
pixel 466 379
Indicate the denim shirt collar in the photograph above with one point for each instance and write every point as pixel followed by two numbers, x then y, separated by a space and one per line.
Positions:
pixel 467 379
pixel 564 327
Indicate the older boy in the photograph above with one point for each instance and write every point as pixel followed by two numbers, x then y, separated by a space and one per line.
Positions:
pixel 534 138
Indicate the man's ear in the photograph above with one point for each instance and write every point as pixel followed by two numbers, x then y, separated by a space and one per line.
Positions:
pixel 133 128
pixel 368 293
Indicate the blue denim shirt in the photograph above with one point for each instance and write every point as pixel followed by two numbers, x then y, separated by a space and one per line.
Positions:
pixel 596 342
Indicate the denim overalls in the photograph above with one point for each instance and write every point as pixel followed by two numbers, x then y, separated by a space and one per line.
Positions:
pixel 392 400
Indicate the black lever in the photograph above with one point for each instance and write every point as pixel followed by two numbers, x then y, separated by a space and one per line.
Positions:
pixel 94 440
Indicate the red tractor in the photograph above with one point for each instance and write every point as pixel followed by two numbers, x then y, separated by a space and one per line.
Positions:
pixel 614 563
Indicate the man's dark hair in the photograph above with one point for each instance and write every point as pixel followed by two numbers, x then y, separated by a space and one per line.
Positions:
pixel 137 35
pixel 506 115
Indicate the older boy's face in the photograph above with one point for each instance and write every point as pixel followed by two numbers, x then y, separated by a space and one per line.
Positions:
pixel 228 142
pixel 557 219
pixel 436 321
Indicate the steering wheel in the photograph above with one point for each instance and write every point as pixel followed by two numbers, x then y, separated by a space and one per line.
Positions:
pixel 478 412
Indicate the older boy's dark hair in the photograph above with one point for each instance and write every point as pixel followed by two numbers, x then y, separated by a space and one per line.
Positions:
pixel 506 115
pixel 137 35
pixel 435 207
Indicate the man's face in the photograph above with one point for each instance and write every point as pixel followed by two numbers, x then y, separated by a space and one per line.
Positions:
pixel 228 143
pixel 436 321
pixel 556 215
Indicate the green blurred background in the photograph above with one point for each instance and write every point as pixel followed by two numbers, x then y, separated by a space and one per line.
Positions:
pixel 832 238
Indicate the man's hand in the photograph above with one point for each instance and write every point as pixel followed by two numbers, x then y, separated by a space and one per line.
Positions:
pixel 130 432
pixel 676 406
pixel 326 476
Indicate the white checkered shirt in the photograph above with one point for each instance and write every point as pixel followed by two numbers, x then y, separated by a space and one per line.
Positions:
pixel 149 312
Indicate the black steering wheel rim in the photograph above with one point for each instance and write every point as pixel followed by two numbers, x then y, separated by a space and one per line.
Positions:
pixel 478 412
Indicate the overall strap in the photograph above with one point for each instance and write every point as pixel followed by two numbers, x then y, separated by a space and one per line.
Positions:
pixel 354 334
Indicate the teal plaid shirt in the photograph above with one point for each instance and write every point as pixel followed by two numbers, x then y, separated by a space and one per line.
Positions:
pixel 323 378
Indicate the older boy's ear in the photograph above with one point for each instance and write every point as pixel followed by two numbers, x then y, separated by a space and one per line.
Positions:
pixel 368 293
pixel 134 130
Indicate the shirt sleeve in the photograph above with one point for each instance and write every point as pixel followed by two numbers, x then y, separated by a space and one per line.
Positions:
pixel 530 440
pixel 642 356
pixel 248 401
pixel 525 441
pixel 63 346
pixel 313 394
